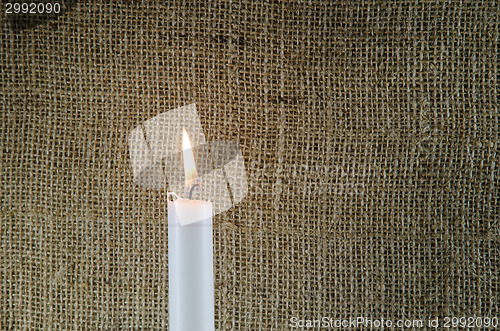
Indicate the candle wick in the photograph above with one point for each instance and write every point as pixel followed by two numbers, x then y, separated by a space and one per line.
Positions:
pixel 192 189
pixel 171 195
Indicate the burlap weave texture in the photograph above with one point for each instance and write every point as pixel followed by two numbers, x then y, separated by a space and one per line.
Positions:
pixel 370 133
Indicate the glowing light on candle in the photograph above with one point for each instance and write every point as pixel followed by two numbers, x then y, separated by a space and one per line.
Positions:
pixel 189 164
pixel 190 256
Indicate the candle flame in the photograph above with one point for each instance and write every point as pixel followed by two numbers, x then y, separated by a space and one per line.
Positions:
pixel 189 165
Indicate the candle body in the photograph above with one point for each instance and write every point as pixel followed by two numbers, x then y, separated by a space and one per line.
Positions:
pixel 190 267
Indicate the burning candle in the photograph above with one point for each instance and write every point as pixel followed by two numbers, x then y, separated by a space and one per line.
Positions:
pixel 190 256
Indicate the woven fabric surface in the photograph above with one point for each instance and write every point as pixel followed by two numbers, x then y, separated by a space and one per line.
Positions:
pixel 369 130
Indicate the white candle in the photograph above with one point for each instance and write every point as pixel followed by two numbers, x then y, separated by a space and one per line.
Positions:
pixel 190 257
pixel 190 266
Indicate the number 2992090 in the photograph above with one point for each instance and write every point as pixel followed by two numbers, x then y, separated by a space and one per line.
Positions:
pixel 32 8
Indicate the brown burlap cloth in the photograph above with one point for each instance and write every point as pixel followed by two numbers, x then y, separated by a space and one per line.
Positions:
pixel 370 133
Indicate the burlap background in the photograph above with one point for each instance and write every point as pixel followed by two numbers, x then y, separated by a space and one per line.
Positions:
pixel 370 131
